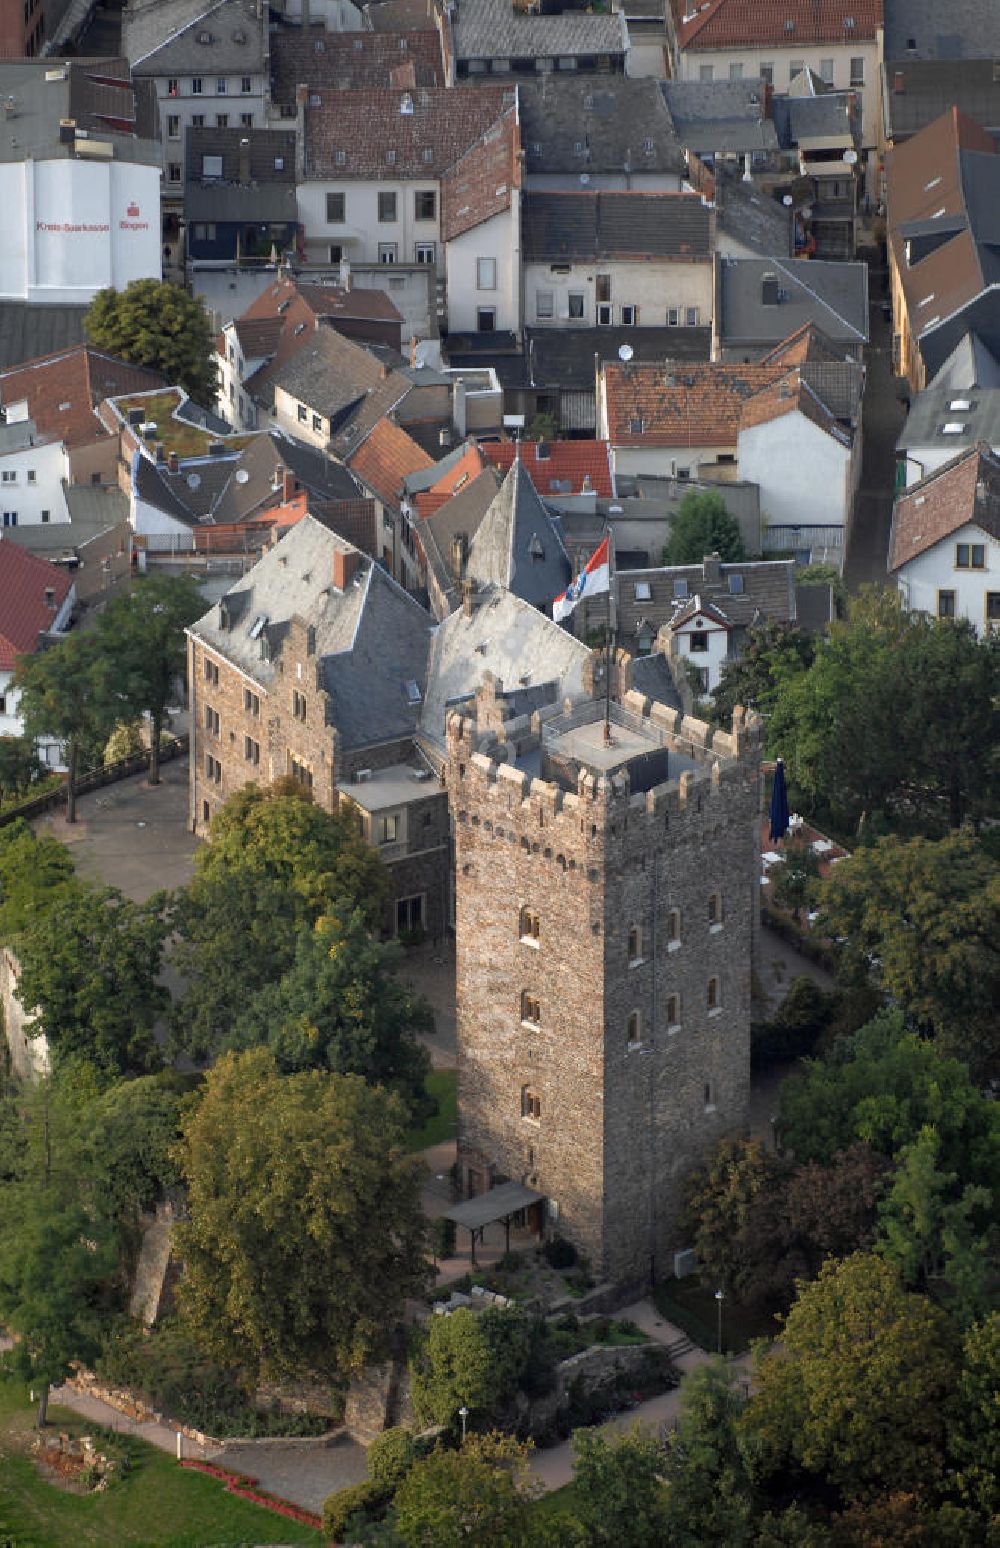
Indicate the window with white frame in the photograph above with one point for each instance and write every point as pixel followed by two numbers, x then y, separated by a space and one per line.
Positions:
pixel 544 303
pixel 486 274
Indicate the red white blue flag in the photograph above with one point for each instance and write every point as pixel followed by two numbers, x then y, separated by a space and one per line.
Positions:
pixel 594 578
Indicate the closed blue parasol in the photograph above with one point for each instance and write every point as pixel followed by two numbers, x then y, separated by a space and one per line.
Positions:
pixel 779 804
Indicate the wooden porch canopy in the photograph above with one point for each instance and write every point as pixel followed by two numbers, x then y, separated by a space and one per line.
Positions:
pixel 498 1203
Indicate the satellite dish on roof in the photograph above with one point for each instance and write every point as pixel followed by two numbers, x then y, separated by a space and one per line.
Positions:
pixel 242 476
pixel 625 353
pixel 584 178
pixel 787 201
pixel 850 156
pixel 193 480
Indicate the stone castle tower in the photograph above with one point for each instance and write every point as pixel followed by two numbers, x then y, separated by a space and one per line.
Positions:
pixel 606 894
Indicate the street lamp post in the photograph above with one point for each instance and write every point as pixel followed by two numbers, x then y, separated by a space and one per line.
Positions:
pixel 720 1296
pixel 463 1414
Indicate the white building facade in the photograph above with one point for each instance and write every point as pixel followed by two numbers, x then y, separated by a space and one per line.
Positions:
pixel 32 475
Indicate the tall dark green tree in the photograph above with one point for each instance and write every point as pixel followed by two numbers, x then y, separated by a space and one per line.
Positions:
pixel 60 699
pixel 700 526
pixel 141 650
pixel 157 324
pixel 773 653
pixel 20 766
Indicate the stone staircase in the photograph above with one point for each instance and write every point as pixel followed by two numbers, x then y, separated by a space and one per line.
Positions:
pixel 680 1346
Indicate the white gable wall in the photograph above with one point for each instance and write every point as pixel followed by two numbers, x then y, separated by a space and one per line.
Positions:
pixel 935 570
pixel 806 477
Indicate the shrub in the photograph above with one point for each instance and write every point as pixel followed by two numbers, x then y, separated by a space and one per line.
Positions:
pixel 443 1233
pixel 559 1253
pixel 391 1455
pixel 368 1499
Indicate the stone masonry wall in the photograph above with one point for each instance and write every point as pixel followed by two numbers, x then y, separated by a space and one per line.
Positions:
pixel 618 1125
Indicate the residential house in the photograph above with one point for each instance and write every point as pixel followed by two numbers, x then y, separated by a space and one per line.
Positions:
pixel 94 547
pixel 314 390
pixel 616 132
pixel 916 91
pixel 777 41
pixel 943 190
pixel 944 549
pixel 426 177
pixel 282 320
pixel 79 181
pixel 724 122
pixel 239 194
pixel 208 64
pixel 517 545
pixel 36 601
pixel 824 127
pixel 60 393
pixel 382 461
pixel 944 421
pixel 33 471
pixel 727 598
pixel 498 38
pixel 761 301
pixel 330 61
pixel 314 667
pixel 636 259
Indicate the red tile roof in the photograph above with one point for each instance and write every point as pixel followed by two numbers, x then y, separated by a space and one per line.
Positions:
pixel 397 134
pixel 689 404
pixel 552 464
pixel 792 393
pixel 350 61
pixel 965 489
pixel 24 612
pixel 284 318
pixel 62 390
pixel 458 476
pixel 764 23
pixel 479 185
pixel 808 344
pixel 386 457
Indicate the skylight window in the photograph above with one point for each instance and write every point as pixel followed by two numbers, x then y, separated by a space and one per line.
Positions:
pixel 643 592
pixel 635 426
pixel 412 692
pixel 927 299
pixel 258 626
pixel 960 405
pixel 938 213
pixel 932 184
pixel 953 427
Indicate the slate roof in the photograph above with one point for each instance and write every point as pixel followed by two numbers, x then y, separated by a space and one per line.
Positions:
pixel 972 414
pixel 268 194
pixel 720 116
pixel 962 29
pixel 943 198
pixel 460 515
pixel 768 591
pixel 753 218
pixel 283 319
pixel 517 545
pixel 505 636
pixel 371 639
pixel 832 295
pixel 764 23
pixel 435 486
pixel 171 44
pixel 479 184
pixel 691 405
pixel 490 29
pixel 379 136
pixel 263 461
pixel 24 614
pixel 377 401
pixel 830 116
pixel 917 91
pixel 351 61
pixel 971 364
pixel 564 357
pixel 652 676
pixel 385 458
pixel 28 331
pixel 147 23
pixel 965 489
pixel 557 467
pixel 329 373
pixel 585 226
pixel 63 389
pixel 618 122
pixel 792 393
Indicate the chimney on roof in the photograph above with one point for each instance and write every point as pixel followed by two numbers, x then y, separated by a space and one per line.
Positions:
pixel 345 566
pixel 769 289
pixel 588 484
pixel 898 83
pixel 413 349
pixel 173 461
pixel 245 158
pixel 216 448
pixel 468 598
pixel 385 371
pixel 161 453
pixel 711 567
pixel 67 131
pixel 289 484
pixel 459 553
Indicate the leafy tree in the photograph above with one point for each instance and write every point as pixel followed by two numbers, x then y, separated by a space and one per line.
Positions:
pixel 718 1203
pixel 793 884
pixel 896 722
pixel 472 1361
pixel 276 862
pixel 481 1494
pixel 131 1131
pixel 56 1258
pixel 772 654
pixel 156 324
pixel 702 525
pixel 59 699
pixel 89 969
pixel 933 1231
pixel 927 912
pixel 857 1391
pixel 305 1233
pixel 140 637
pixel 20 766
pixel 33 871
pixel 901 1520
pixel 618 1488
pixel 974 1440
pixel 339 1007
pixel 709 1487
pixel 124 742
pixel 881 1086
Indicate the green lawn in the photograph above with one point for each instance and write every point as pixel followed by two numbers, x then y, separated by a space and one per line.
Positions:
pixel 156 1503
pixel 441 1085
